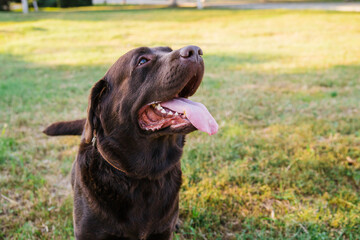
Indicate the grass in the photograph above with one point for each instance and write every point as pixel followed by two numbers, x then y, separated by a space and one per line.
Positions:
pixel 283 86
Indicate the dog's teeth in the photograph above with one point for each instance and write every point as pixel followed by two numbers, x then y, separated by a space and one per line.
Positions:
pixel 176 114
pixel 163 110
pixel 158 107
pixel 170 113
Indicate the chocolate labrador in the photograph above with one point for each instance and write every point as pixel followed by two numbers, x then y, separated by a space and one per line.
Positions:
pixel 126 177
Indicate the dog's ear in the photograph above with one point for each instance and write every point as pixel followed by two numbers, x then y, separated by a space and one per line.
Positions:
pixel 92 121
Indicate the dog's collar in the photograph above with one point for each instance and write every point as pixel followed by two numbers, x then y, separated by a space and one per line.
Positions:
pixel 94 143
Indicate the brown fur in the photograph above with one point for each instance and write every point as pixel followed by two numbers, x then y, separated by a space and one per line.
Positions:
pixel 140 201
pixel 65 128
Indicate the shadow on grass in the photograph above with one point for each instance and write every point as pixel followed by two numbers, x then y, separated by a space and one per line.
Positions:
pixel 30 93
pixel 25 86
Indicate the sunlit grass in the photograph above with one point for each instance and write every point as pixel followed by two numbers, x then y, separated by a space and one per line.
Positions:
pixel 283 85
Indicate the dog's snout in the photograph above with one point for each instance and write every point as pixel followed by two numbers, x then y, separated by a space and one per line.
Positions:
pixel 192 53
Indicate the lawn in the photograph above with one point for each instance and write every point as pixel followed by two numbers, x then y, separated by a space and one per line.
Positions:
pixel 284 87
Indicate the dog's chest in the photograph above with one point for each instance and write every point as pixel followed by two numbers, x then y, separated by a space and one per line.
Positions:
pixel 137 207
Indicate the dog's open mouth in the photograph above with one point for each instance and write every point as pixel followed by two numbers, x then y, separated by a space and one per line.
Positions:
pixel 178 113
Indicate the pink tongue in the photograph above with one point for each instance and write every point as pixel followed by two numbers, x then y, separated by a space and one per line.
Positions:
pixel 197 114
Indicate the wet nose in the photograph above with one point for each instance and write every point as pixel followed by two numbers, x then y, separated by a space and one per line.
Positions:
pixel 191 53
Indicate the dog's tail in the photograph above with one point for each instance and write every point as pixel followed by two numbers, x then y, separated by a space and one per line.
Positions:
pixel 74 127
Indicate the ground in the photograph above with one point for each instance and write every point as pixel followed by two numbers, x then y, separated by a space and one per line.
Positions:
pixel 284 87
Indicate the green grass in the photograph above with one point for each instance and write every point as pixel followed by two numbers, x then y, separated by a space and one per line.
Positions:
pixel 283 86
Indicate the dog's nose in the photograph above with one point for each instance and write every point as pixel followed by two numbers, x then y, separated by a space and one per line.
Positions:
pixel 191 53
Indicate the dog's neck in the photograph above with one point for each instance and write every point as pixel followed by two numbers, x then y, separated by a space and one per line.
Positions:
pixel 146 158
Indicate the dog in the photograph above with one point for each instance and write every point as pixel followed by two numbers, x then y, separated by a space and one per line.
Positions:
pixel 127 175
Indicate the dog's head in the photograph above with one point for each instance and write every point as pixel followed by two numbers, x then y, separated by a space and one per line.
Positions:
pixel 145 92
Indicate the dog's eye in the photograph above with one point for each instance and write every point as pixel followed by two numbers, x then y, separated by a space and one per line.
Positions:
pixel 142 61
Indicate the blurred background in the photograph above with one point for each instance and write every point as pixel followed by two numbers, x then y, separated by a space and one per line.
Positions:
pixel 281 78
